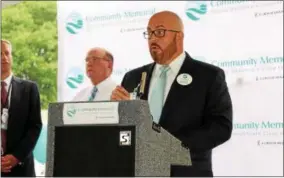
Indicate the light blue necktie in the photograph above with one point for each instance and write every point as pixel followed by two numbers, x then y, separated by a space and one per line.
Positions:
pixel 93 93
pixel 157 95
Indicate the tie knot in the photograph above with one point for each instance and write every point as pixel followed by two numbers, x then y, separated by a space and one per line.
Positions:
pixel 164 70
pixel 95 89
pixel 3 84
pixel 93 93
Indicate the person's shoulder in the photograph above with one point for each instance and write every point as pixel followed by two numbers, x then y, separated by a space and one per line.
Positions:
pixel 80 95
pixel 206 67
pixel 139 70
pixel 85 89
pixel 25 82
pixel 111 83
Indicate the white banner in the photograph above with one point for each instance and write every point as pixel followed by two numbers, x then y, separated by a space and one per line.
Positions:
pixel 245 38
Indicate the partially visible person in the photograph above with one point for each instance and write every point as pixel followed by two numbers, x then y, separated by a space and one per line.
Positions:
pixel 188 98
pixel 99 67
pixel 20 119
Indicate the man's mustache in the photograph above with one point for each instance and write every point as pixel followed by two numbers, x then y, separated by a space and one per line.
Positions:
pixel 154 45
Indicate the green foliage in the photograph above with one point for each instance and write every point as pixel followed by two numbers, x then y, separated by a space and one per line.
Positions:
pixel 32 29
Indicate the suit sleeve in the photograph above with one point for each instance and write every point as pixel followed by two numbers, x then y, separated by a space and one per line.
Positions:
pixel 124 81
pixel 218 117
pixel 34 126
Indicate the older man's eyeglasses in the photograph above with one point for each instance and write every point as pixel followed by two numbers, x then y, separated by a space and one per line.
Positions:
pixel 93 59
pixel 158 33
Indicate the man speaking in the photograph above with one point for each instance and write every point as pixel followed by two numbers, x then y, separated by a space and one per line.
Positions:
pixel 188 98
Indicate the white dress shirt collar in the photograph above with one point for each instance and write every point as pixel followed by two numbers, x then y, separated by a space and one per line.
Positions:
pixel 175 65
pixel 104 84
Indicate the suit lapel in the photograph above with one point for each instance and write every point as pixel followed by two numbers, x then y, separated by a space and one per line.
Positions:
pixel 177 91
pixel 14 101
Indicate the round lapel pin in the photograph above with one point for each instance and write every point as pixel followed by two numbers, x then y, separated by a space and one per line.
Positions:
pixel 184 79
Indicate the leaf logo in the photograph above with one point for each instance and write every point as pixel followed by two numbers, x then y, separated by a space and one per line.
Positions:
pixel 74 78
pixel 71 111
pixel 196 9
pixel 74 23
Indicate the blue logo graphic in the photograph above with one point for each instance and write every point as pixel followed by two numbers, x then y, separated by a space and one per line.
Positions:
pixel 40 148
pixel 71 111
pixel 74 23
pixel 195 9
pixel 75 77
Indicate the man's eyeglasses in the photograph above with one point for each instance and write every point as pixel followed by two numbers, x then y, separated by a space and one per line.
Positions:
pixel 158 33
pixel 93 59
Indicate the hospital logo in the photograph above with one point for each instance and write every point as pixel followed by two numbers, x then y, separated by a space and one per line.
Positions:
pixel 71 111
pixel 74 23
pixel 75 77
pixel 195 9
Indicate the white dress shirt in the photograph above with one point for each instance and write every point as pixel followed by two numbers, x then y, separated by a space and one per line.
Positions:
pixel 175 66
pixel 105 89
pixel 8 81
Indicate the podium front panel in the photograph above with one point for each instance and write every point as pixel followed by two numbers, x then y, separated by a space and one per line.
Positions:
pixel 95 151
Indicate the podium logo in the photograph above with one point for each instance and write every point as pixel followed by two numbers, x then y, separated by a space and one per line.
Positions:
pixel 74 77
pixel 195 9
pixel 125 138
pixel 71 111
pixel 74 23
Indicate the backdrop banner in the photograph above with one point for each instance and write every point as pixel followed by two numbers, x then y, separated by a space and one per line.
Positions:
pixel 245 38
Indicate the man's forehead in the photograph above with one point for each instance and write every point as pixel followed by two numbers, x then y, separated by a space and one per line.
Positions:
pixel 165 19
pixel 5 45
pixel 157 22
pixel 157 25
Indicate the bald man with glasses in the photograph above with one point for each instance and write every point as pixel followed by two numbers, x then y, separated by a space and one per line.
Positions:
pixel 99 67
pixel 188 98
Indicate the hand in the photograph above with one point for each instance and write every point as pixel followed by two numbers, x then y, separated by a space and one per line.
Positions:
pixel 119 93
pixel 8 162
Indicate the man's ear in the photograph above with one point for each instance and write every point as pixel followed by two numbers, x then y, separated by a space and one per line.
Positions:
pixel 180 36
pixel 110 65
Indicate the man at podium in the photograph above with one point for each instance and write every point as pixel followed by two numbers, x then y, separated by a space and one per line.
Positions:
pixel 188 98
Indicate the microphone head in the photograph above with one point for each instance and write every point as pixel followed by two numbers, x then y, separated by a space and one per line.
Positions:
pixel 143 82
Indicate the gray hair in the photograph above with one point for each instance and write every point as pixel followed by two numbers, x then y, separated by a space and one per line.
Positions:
pixel 109 56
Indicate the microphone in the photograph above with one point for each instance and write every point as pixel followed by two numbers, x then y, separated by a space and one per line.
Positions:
pixel 142 83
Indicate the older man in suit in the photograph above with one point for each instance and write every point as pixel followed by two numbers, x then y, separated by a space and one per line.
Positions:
pixel 188 98
pixel 20 119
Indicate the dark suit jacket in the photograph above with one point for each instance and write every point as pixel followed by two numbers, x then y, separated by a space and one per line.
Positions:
pixel 199 114
pixel 24 126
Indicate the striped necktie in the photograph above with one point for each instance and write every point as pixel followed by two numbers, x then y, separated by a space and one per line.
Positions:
pixel 93 93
